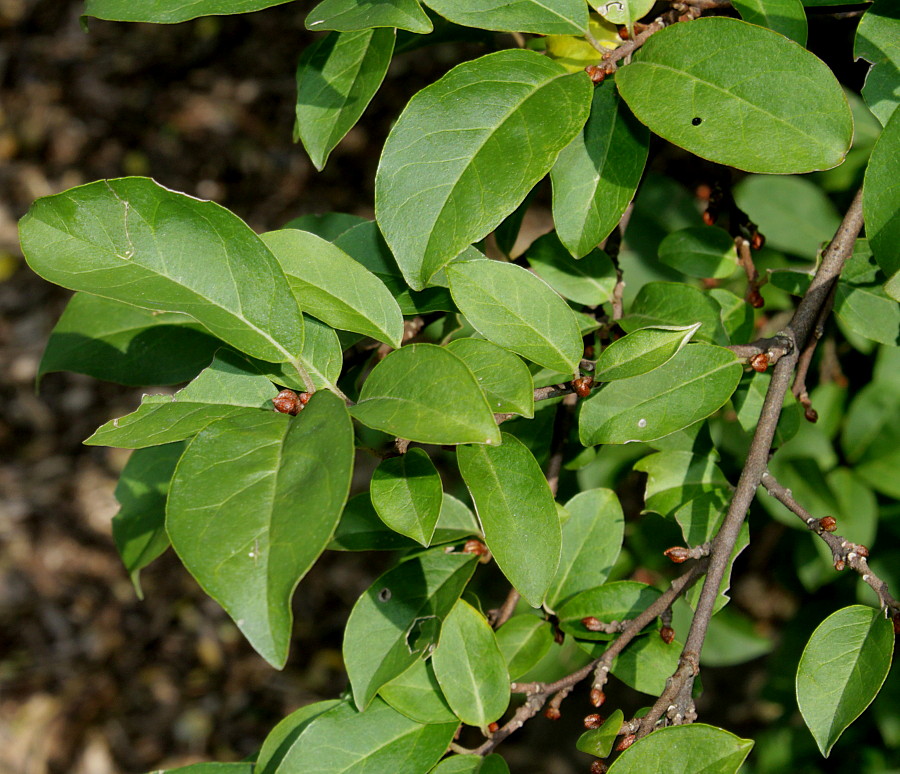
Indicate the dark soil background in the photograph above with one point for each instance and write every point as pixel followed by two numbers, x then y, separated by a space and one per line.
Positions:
pixel 93 680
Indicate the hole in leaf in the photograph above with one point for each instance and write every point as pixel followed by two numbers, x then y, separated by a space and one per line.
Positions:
pixel 697 121
pixel 384 595
pixel 423 634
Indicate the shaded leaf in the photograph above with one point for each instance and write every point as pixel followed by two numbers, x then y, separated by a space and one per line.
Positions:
pixel 878 41
pixel 167 12
pixel 402 397
pixel 472 764
pixel 675 304
pixel 560 17
pixel 842 668
pixel 337 76
pixel 282 737
pixel 254 501
pixel 785 16
pixel 524 640
pixel 647 663
pixel 407 494
pixel 700 251
pixel 517 513
pixel 589 281
pixel 397 621
pixel 417 694
pixel 349 15
pixel 599 741
pixel 881 198
pixel 793 115
pixel 452 167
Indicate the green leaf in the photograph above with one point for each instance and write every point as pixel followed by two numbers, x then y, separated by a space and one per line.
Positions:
pixel 599 741
pixel 417 694
pixel 516 310
pixel 329 225
pixel 647 663
pixel 785 16
pixel 731 639
pixel 736 314
pixel 139 528
pixel 517 512
pixel 379 739
pixel 640 351
pixel 700 251
pixel 589 281
pixel 878 41
pixel 360 528
pixel 871 436
pixel 793 212
pixel 561 17
pixel 684 750
pixel 254 501
pixel 676 477
pixel 452 167
pixel 407 494
pixel 524 640
pixel 610 602
pixel 661 304
pixel 333 287
pixel 350 15
pixel 591 542
pixel 625 12
pixel 282 737
pixel 505 379
pixel 881 198
pixel 470 667
pixel 402 397
pixel 211 768
pixel 229 387
pixel 748 401
pixel 397 621
pixel 121 343
pixel 337 76
pixel 472 764
pixel 691 386
pixel 842 668
pixel 791 112
pixel 168 12
pixel 134 241
pixel 868 311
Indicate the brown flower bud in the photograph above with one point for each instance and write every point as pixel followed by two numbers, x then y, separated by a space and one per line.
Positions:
pixel 626 742
pixel 667 634
pixel 593 721
pixel 304 397
pixel 839 565
pixel 597 697
pixel 475 547
pixel 828 523
pixel 582 385
pixel 599 767
pixel 755 299
pixel 811 414
pixel 760 362
pixel 552 713
pixel 597 73
pixel 757 241
pixel 288 402
pixel 677 554
pixel 709 217
pixel 492 727
pixel 592 624
pixel 862 550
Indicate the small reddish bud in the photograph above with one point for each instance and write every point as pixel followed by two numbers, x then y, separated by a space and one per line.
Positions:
pixel 492 727
pixel 552 713
pixel 703 192
pixel 760 362
pixel 811 414
pixel 755 299
pixel 709 217
pixel 593 721
pixel 597 73
pixel 757 241
pixel 677 554
pixel 839 565
pixel 582 385
pixel 667 634
pixel 592 624
pixel 599 767
pixel 626 742
pixel 623 33
pixel 288 402
pixel 597 697
pixel 474 547
pixel 828 523
pixel 304 397
pixel 862 550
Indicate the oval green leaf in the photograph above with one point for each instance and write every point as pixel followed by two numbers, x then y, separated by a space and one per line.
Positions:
pixel 878 41
pixel 524 640
pixel 337 76
pixel 397 621
pixel 561 17
pixel 591 542
pixel 700 251
pixel 505 379
pixel 516 310
pixel 333 287
pixel 349 15
pixel 380 739
pixel 661 304
pixel 282 737
pixel 842 668
pixel 471 764
pixel 785 16
pixel 254 501
pixel 132 240
pixel 625 12
pixel 596 175
pixel 402 396
pixel 691 386
pixel 517 513
pixel 881 198
pixel 167 12
pixel 640 351
pixel 417 694
pixel 470 667
pixel 685 750
pixel 588 281
pixel 452 167
pixel 599 741
pixel 407 494
pixel 777 108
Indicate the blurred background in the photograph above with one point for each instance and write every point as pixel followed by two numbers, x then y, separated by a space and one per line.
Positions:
pixel 95 681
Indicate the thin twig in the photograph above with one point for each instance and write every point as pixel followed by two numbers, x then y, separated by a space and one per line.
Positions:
pixel 503 613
